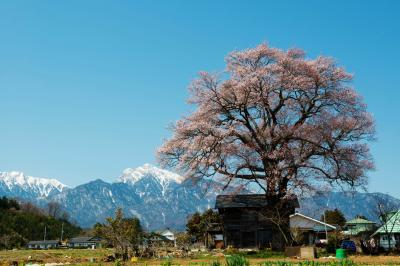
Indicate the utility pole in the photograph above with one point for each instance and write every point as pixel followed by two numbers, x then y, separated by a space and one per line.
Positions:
pixel 326 230
pixel 45 231
pixel 62 232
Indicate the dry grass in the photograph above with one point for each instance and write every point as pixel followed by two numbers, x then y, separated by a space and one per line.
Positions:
pixel 94 257
pixel 55 255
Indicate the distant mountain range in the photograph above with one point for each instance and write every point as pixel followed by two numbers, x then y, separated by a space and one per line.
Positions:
pixel 350 203
pixel 159 198
pixel 16 184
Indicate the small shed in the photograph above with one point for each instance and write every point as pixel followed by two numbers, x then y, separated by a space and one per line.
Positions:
pixel 43 244
pixel 85 242
pixel 310 229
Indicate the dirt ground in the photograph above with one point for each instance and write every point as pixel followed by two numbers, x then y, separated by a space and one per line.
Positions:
pixel 71 256
pixel 361 260
pixel 95 257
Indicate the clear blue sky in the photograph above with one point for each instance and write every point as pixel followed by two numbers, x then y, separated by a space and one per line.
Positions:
pixel 88 88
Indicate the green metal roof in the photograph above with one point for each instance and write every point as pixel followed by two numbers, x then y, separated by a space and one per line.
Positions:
pixel 392 226
pixel 359 221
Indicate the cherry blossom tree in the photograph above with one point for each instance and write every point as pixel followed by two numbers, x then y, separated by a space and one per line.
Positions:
pixel 276 118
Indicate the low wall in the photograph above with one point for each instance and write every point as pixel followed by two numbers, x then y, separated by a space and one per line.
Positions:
pixel 301 252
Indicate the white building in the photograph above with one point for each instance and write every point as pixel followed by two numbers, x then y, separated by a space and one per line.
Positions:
pixel 310 228
pixel 169 235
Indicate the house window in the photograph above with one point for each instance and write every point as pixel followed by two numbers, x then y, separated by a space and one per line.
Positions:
pixel 385 238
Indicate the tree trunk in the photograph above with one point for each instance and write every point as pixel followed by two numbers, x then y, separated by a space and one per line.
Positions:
pixel 277 212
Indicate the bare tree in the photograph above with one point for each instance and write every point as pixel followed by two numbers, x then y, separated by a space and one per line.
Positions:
pixel 388 214
pixel 54 209
pixel 31 208
pixel 183 240
pixel 275 118
pixel 123 233
pixel 279 216
pixel 297 235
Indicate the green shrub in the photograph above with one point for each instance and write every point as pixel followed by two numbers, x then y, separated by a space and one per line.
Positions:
pixel 309 263
pixel 332 244
pixel 215 263
pixel 264 254
pixel 236 260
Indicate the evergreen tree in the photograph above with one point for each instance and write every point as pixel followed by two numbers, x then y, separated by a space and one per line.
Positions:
pixel 197 224
pixel 334 217
pixel 22 222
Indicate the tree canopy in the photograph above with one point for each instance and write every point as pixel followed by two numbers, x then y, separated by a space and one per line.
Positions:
pixel 22 222
pixel 121 232
pixel 276 118
pixel 334 217
pixel 198 223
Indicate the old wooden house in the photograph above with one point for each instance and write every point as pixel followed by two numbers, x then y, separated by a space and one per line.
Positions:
pixel 85 242
pixel 244 223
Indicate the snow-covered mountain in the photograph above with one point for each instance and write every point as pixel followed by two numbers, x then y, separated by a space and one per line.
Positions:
pixel 161 180
pixel 159 198
pixel 132 175
pixel 18 185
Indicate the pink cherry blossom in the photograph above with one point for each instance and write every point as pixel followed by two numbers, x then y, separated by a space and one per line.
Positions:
pixel 276 118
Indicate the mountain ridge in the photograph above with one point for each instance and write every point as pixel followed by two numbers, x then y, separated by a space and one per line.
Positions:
pixel 159 198
pixel 15 182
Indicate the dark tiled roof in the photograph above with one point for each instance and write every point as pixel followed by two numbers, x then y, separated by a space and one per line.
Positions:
pixel 156 237
pixel 83 239
pixel 41 242
pixel 244 201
